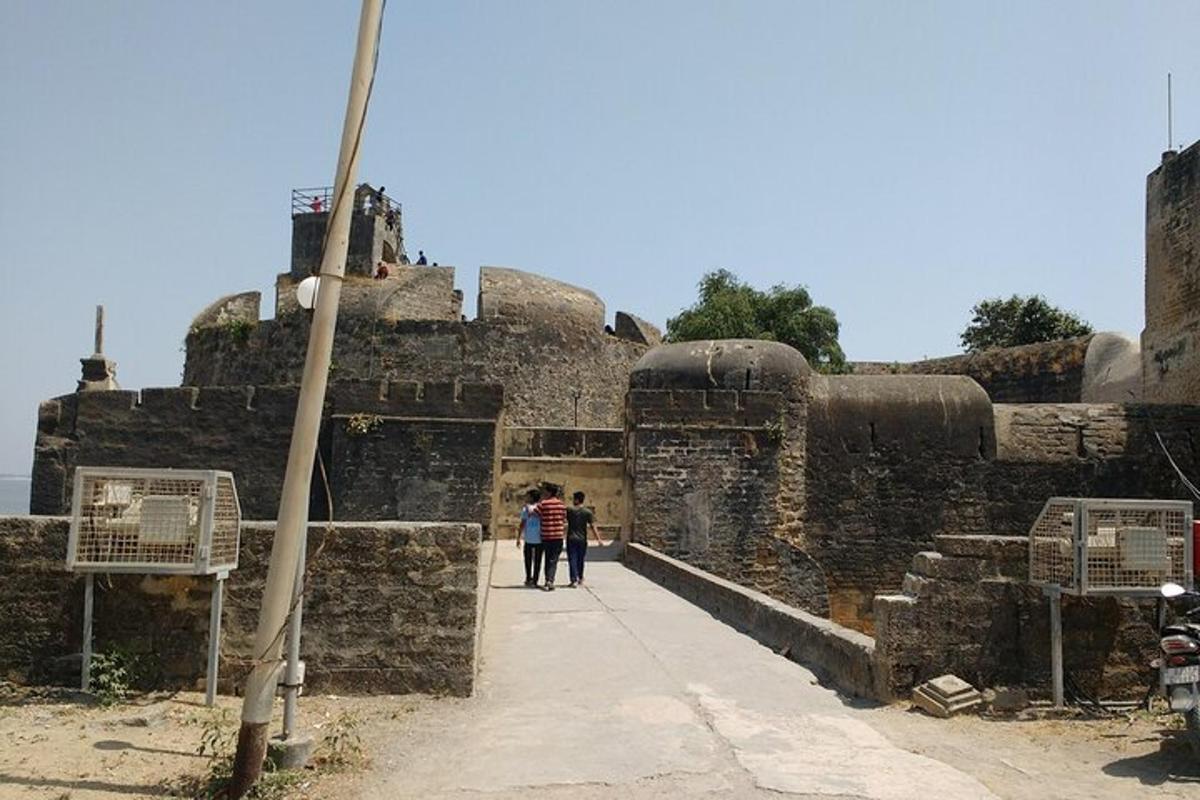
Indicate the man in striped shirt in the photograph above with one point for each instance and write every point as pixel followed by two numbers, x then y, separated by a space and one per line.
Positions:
pixel 554 528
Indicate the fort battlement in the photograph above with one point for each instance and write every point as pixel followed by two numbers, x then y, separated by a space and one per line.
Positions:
pixel 409 433
pixel 380 337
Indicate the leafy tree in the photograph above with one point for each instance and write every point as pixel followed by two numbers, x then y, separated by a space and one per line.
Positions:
pixel 1019 320
pixel 730 309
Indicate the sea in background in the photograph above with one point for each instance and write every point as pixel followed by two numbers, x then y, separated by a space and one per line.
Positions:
pixel 14 494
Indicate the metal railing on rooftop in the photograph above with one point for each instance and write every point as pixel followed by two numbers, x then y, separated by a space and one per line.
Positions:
pixel 319 200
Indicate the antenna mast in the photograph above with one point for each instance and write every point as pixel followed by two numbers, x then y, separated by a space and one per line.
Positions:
pixel 1170 120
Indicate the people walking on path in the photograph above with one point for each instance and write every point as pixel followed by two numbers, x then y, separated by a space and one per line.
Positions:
pixel 553 514
pixel 530 532
pixel 580 520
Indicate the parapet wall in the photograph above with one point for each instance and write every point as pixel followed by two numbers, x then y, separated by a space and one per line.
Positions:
pixel 519 296
pixel 716 463
pixel 889 462
pixel 543 340
pixel 1048 372
pixel 887 456
pixel 441 438
pixel 552 376
pixel 371 622
pixel 967 609
pixel 406 293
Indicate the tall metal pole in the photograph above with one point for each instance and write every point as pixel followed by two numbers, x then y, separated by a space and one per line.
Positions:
pixel 293 502
pixel 89 593
pixel 291 684
pixel 1056 645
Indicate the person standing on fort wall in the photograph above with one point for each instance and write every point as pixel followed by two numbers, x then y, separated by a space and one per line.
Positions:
pixel 554 528
pixel 580 520
pixel 530 531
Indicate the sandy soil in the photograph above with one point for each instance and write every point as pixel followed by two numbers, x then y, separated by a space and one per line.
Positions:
pixel 1133 755
pixel 55 746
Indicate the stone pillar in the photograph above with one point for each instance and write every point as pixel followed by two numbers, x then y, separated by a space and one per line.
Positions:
pixel 99 373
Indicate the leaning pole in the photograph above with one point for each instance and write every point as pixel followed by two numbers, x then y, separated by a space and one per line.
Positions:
pixel 293 502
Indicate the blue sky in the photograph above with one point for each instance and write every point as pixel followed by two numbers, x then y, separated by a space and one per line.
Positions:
pixel 902 160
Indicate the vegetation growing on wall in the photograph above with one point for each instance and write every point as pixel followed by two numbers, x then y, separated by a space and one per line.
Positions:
pixel 730 309
pixel 1019 320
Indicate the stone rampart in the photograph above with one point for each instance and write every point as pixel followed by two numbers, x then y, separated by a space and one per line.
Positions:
pixel 716 463
pixel 390 608
pixel 1171 340
pixel 440 439
pixel 518 296
pixel 584 385
pixel 889 460
pixel 407 292
pixel 966 608
pixel 1048 372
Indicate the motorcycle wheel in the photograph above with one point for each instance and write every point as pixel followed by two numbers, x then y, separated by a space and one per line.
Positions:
pixel 1193 728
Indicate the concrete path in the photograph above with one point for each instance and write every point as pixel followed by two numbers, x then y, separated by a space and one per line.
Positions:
pixel 622 689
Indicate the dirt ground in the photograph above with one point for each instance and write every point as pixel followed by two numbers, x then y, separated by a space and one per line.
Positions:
pixel 53 745
pixel 57 744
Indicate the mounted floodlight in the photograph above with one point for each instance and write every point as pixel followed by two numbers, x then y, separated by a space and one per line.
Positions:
pixel 306 292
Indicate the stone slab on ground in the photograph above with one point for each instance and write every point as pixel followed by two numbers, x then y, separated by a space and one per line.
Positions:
pixel 946 696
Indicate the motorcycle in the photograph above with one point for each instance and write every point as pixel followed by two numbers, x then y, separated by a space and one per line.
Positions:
pixel 1179 665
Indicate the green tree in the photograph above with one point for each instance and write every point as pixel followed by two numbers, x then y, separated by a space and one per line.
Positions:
pixel 730 309
pixel 1019 320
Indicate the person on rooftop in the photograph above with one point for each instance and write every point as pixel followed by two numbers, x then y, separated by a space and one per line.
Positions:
pixel 317 205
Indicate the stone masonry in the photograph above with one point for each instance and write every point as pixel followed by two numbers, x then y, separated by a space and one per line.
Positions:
pixel 390 607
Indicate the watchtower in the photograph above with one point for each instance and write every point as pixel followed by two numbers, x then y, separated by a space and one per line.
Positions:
pixel 376 230
pixel 1171 340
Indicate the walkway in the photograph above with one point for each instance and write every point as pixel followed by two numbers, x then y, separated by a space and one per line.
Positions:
pixel 624 690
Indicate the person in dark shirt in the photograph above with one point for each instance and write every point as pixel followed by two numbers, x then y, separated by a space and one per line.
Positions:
pixel 580 520
pixel 421 258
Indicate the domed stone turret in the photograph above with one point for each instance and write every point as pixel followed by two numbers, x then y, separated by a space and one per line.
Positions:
pixel 721 364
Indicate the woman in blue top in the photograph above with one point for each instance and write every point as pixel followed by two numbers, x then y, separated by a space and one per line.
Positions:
pixel 530 530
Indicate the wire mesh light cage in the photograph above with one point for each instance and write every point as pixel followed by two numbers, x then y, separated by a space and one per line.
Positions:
pixel 153 521
pixel 1089 546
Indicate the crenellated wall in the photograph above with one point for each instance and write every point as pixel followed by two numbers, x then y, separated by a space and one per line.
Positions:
pixel 439 437
pixel 889 463
pixel 715 460
pixel 542 340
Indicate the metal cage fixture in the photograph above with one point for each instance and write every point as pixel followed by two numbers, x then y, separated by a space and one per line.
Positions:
pixel 154 521
pixel 1088 546
pixel 1106 547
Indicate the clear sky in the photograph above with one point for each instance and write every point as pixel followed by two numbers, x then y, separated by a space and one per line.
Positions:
pixel 902 160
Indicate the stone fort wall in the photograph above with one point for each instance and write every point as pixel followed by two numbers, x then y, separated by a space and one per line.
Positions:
pixel 371 620
pixel 889 463
pixel 542 340
pixel 1171 340
pixel 407 451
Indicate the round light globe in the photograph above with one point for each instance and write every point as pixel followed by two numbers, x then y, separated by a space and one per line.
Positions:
pixel 306 292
